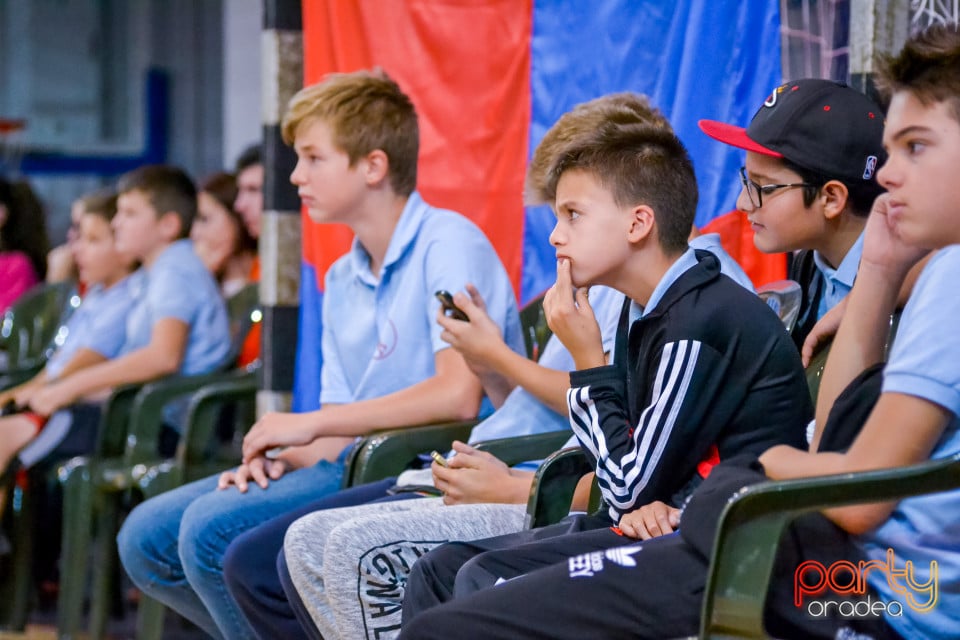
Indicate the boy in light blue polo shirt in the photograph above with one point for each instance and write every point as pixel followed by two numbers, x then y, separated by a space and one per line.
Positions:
pixel 179 321
pixel 384 364
pixel 93 334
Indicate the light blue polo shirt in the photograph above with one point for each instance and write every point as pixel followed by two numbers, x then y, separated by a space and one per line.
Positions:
pixel 925 362
pixel 178 285
pixel 522 413
pixel 98 324
pixel 380 333
pixel 838 282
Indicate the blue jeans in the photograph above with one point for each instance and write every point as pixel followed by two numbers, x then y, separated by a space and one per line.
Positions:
pixel 172 546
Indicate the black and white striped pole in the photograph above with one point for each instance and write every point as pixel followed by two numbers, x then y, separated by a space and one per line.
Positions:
pixel 280 246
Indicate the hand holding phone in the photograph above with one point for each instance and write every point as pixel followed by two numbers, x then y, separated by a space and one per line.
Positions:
pixel 439 459
pixel 449 308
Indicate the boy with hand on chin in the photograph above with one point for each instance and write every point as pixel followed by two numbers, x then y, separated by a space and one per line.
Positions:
pixel 701 369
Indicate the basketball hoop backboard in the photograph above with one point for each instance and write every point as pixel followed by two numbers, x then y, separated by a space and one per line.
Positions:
pixel 11 146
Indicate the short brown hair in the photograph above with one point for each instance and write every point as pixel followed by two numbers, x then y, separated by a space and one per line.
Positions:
pixel 102 202
pixel 928 66
pixel 365 111
pixel 634 154
pixel 582 121
pixel 168 188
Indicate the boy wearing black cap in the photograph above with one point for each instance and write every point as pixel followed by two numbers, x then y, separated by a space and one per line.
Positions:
pixel 812 148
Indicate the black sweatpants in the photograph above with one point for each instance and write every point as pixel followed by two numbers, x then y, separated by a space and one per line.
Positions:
pixel 457 569
pixel 620 589
pixel 579 578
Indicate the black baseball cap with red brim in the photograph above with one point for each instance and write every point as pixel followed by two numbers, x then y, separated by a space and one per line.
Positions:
pixel 820 125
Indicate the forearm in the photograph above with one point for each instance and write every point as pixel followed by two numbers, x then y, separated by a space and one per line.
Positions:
pixel 36 381
pixel 787 463
pixel 81 360
pixel 495 386
pixel 513 488
pixel 431 401
pixel 549 386
pixel 136 367
pixel 310 454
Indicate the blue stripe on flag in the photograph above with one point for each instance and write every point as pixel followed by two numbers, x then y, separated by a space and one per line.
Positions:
pixel 694 58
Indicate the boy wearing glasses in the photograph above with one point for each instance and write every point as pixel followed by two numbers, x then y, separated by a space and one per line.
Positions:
pixel 808 183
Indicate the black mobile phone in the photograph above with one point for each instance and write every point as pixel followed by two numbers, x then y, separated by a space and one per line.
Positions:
pixel 449 309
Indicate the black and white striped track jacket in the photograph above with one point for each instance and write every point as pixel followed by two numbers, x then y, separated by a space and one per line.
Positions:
pixel 711 364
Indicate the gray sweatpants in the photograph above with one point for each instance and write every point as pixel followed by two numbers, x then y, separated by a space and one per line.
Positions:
pixel 350 566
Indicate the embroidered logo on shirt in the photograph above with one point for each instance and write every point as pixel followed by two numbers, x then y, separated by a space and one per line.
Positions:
pixel 385 348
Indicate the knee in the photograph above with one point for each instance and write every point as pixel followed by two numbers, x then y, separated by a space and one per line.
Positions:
pixel 471 576
pixel 441 563
pixel 431 578
pixel 201 542
pixel 136 544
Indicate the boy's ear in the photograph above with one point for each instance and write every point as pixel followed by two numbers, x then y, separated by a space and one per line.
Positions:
pixel 170 225
pixel 642 223
pixel 834 195
pixel 376 165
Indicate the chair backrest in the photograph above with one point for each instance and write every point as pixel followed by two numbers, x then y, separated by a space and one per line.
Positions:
pixel 28 328
pixel 553 486
pixel 535 329
pixel 784 297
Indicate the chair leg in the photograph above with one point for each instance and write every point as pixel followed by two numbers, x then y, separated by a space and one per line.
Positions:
pixel 78 506
pixel 150 615
pixel 17 590
pixel 106 553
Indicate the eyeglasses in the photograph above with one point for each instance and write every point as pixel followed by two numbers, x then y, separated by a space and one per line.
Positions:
pixel 755 192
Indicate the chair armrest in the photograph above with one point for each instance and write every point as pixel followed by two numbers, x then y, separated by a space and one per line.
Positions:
pixel 535 446
pixel 204 412
pixel 146 413
pixel 386 453
pixel 752 522
pixel 13 377
pixel 115 415
pixel 553 485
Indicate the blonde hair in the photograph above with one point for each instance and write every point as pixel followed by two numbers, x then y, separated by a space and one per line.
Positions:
pixel 366 111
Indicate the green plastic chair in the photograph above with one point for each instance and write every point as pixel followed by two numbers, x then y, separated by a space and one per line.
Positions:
pixel 126 462
pixel 536 332
pixel 751 525
pixel 386 453
pixel 29 330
